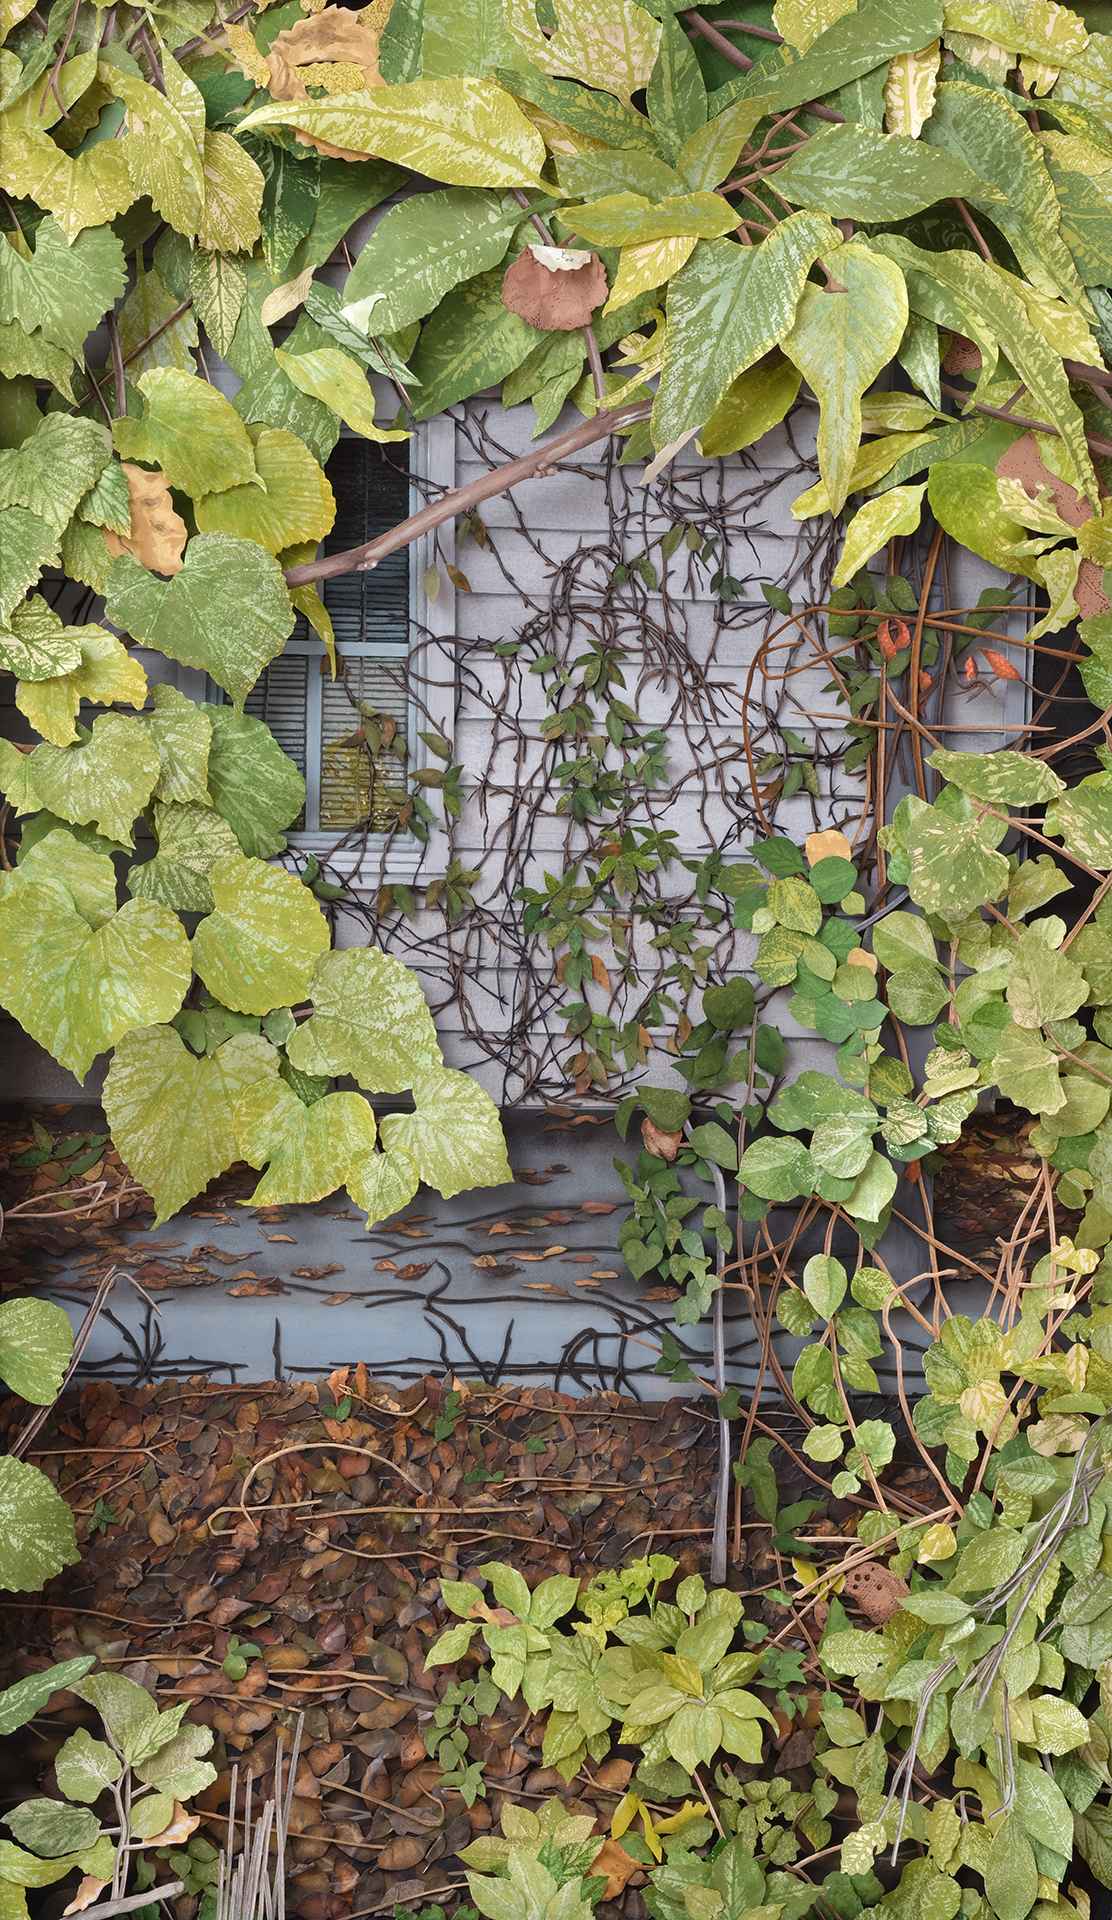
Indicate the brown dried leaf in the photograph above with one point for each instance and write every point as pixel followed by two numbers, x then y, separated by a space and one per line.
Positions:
pixel 332 36
pixel 555 288
pixel 158 533
pixel 659 1141
pixel 618 1866
pixel 87 1892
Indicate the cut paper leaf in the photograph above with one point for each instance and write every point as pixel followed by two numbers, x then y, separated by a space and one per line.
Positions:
pixel 909 89
pixel 628 219
pixel 88 986
pixel 190 431
pixel 307 1151
pixel 298 503
pixel 157 534
pixel 171 1114
pixel 81 875
pixel 467 133
pixel 161 149
pixel 1043 985
pixel 256 786
pixel 854 173
pixel 105 673
pixel 64 290
pixel 1026 1071
pixel 642 268
pixel 331 376
pixel 727 307
pixel 707 157
pixel 752 405
pixel 258 948
pixel 106 780
pixel 1004 778
pixel 54 467
pixel 38 646
pixel 218 283
pixel 31 354
pixel 145 311
pixel 226 611
pixel 108 502
pixel 80 190
pixel 36 1345
pixel 841 339
pixel 382 1183
pixel 182 734
pixel 27 545
pixel 455 1136
pixel 888 517
pixel 1082 820
pixel 371 1021
pixel 191 840
pixel 952 869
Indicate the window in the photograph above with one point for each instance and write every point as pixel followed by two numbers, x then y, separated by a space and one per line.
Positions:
pixel 307 711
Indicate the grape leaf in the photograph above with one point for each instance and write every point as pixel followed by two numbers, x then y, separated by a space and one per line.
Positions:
pixel 171 1114
pixel 182 734
pixel 227 610
pixel 191 840
pixel 63 289
pixel 27 544
pixel 455 1136
pixel 33 354
pixel 38 646
pixel 252 782
pixel 382 1183
pixel 81 875
pixel 190 431
pixel 307 1151
pixel 161 150
pixel 229 222
pixel 259 946
pixel 298 503
pixel 147 307
pixel 54 467
pixel 371 1021
pixel 107 779
pixel 105 672
pixel 36 1342
pixel 37 1540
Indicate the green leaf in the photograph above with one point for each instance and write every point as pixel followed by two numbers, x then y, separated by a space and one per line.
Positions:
pixel 1003 777
pixel 105 673
pixel 171 1114
pixel 842 1145
pixel 29 354
pixel 952 869
pixel 268 396
pixel 67 865
pixel 27 544
pixel 298 503
pixel 873 1189
pixel 1084 220
pixel 39 647
pixel 54 467
pixel 824 1283
pixel 707 156
pixel 192 839
pixel 151 1815
pixel 628 219
pixel 108 501
pixel 51 1828
pixel 64 290
pixel 382 1183
pixel 182 734
pixel 308 1151
pixel 676 97
pixel 917 994
pixel 258 948
pixel 174 1768
pixel 850 172
pixel 19 1869
pixel 423 248
pixel 751 406
pixel 715 1145
pixel 218 284
pixel 330 375
pixel 1011 1876
pixel 36 1342
pixel 1043 985
pixel 227 610
pixel 36 1532
pixel 471 341
pixel 777 1169
pixel 978 126
pixel 252 782
pixel 840 341
pixel 727 307
pixel 1083 820
pixel 106 780
pixel 455 1136
pixel 1026 1071
pixel 901 939
pixel 161 150
pixel 468 133
pixel 190 431
pixel 853 46
pixel 22 1702
pixel 371 1021
pixel 964 500
pixel 890 516
pixel 147 308
pixel 1042 1808
pixel 88 985
pixel 668 1107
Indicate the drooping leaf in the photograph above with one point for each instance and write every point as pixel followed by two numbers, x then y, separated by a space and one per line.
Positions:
pixel 32 355
pixel 54 467
pixel 890 516
pixel 454 1137
pixel 233 186
pixel 708 155
pixel 218 284
pixel 190 431
pixel 63 289
pixel 841 339
pixel 298 503
pixel 161 149
pixel 259 946
pixel 382 1183
pixel 371 1021
pixel 331 376
pixel 964 500
pixel 629 219
pixel 108 501
pixel 27 544
pixel 36 1342
pixel 107 779
pixel 751 406
pixel 423 248
pixel 37 1540
pixel 171 1114
pixel 251 781
pixel 727 307
pixel 191 840
pixel 88 985
pixel 307 1151
pixel 182 734
pixel 227 611
pixel 909 89
pixel 468 133
pixel 857 174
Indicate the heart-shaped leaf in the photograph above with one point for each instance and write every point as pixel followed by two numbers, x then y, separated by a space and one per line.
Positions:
pixel 371 1021
pixel 260 945
pixel 227 610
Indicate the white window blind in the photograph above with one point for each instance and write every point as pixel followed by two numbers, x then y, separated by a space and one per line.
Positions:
pixel 308 712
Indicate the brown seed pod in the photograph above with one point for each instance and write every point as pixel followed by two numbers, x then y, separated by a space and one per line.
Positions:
pixel 555 288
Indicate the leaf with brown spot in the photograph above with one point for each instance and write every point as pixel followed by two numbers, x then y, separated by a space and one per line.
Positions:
pixel 158 533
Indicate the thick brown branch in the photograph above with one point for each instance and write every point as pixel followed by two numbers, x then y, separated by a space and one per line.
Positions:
pixel 1096 441
pixel 463 500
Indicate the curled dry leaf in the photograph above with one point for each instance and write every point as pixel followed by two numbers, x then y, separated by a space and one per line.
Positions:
pixel 657 1140
pixel 89 1890
pixel 333 36
pixel 555 288
pixel 962 356
pixel 179 1829
pixel 893 636
pixel 158 533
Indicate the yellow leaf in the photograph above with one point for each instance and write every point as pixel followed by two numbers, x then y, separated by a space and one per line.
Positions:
pixel 643 268
pixel 83 191
pixel 938 1543
pixel 107 673
pixel 909 89
pixel 827 846
pixel 247 53
pixel 146 307
pixel 89 1890
pixel 801 21
pixel 609 44
pixel 332 376
pixel 189 430
pixel 285 298
pixel 890 514
pixel 234 186
pixel 161 149
pixel 298 503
